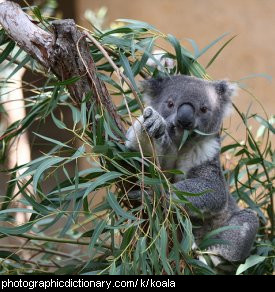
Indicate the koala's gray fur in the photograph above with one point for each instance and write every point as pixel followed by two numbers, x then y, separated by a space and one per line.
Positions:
pixel 182 102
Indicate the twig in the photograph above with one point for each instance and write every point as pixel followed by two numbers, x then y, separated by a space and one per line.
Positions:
pixel 62 240
pixel 39 264
pixel 41 250
pixel 118 72
pixel 111 52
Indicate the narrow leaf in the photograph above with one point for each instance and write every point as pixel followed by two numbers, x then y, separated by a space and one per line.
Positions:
pixel 205 49
pixel 250 262
pixel 102 180
pixel 45 166
pixel 8 49
pixel 52 140
pixel 116 207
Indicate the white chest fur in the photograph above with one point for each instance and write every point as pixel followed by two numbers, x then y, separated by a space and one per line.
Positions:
pixel 197 154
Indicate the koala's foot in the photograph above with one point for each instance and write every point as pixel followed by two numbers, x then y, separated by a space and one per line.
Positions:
pixel 239 240
pixel 154 124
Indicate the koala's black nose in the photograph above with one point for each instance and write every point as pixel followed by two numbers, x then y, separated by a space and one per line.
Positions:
pixel 185 116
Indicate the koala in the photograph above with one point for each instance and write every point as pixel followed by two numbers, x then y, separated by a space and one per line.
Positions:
pixel 179 103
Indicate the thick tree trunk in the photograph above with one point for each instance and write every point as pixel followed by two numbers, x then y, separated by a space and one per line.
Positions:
pixel 63 51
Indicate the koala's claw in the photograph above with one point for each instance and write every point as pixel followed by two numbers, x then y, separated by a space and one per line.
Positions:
pixel 153 123
pixel 147 112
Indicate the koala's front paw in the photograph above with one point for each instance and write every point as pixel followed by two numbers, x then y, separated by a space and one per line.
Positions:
pixel 153 124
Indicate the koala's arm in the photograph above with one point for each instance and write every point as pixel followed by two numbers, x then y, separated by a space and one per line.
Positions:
pixel 212 183
pixel 152 125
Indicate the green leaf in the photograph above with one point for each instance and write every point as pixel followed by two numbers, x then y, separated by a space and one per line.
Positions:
pixel 113 269
pixel 12 60
pixel 137 24
pixel 97 231
pixel 204 134
pixel 252 161
pixel 102 180
pixel 68 81
pixel 127 237
pixel 117 30
pixel 184 138
pixel 109 131
pixel 21 65
pixel 128 70
pixel 40 208
pixel 52 140
pixel 45 166
pixel 116 207
pixel 80 152
pixel 58 123
pixel 10 191
pixel 8 49
pixel 195 47
pixel 90 170
pixel 150 181
pixel 252 143
pixel 219 230
pixel 181 195
pixel 231 146
pixel 264 123
pixel 211 242
pixel 153 57
pixel 113 125
pixel 202 268
pixel 250 262
pixel 181 59
pixel 205 49
pixel 146 55
pixel 109 80
pixel 163 251
pixel 18 210
pixel 114 41
pixel 4 254
pixel 218 52
pixel 75 113
pixel 174 171
pixel 17 230
pixel 37 13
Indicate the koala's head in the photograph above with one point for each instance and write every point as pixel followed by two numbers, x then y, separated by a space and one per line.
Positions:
pixel 190 103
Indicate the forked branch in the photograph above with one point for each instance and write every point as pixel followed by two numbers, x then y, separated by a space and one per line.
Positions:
pixel 64 51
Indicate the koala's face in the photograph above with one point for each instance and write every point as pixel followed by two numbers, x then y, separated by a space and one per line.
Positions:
pixel 190 103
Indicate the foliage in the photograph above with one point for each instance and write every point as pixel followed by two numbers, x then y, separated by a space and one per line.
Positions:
pixel 114 236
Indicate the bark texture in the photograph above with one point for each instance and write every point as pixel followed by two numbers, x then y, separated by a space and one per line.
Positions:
pixel 64 51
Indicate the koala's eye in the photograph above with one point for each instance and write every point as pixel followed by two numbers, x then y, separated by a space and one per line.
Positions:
pixel 204 109
pixel 170 104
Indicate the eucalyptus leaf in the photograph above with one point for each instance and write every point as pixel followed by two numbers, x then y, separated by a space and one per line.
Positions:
pixel 102 180
pixel 250 262
pixel 111 199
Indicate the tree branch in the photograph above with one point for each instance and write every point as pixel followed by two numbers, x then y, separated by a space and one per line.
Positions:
pixel 64 51
pixel 18 25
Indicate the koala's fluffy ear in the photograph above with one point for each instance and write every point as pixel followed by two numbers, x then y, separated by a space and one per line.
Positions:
pixel 151 88
pixel 226 90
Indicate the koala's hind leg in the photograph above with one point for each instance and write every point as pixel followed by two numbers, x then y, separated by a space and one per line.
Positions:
pixel 240 239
